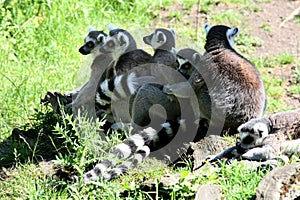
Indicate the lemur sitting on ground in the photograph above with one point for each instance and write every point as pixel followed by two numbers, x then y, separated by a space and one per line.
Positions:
pixel 232 87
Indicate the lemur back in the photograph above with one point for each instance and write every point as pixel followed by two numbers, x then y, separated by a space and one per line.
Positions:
pixel 232 83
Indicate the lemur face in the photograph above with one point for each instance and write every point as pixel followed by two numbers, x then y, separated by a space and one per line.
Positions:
pixel 160 37
pixel 184 67
pixel 221 32
pixel 116 43
pixel 253 133
pixel 184 59
pixel 93 42
pixel 156 39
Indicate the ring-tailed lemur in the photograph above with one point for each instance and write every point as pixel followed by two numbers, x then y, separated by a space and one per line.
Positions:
pixel 163 43
pixel 85 96
pixel 136 68
pixel 120 81
pixel 265 139
pixel 92 43
pixel 229 88
pixel 255 135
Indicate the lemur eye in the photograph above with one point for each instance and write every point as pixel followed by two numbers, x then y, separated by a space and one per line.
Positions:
pixel 177 63
pixel 111 43
pixel 187 66
pixel 90 44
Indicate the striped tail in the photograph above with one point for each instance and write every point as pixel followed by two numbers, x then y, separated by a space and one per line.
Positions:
pixel 130 153
pixel 118 87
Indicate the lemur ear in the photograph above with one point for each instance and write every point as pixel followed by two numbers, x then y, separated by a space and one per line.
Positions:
pixel 174 51
pixel 90 28
pixel 111 27
pixel 196 57
pixel 101 38
pixel 161 37
pixel 233 31
pixel 207 28
pixel 173 32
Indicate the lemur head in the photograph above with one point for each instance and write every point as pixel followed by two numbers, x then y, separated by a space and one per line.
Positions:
pixel 94 40
pixel 184 57
pixel 253 132
pixel 161 39
pixel 118 43
pixel 220 36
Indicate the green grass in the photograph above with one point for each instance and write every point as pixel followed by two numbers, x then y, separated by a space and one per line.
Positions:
pixel 39 52
pixel 40 47
pixel 294 89
pixel 238 181
pixel 296 74
pixel 266 27
pixel 226 17
pixel 297 17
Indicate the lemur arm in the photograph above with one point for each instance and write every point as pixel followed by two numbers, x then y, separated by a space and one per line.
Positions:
pixel 259 154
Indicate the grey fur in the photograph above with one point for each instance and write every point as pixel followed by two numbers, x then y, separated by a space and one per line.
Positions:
pixel 286 123
pixel 122 46
pixel 267 138
pixel 147 96
pixel 131 56
pixel 92 43
pixel 84 98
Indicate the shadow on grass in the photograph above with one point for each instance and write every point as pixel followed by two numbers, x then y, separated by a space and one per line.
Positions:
pixel 36 141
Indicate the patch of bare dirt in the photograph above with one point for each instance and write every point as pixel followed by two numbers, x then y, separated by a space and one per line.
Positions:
pixel 276 26
pixel 272 22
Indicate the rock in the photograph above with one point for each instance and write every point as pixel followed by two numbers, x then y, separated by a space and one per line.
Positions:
pixel 281 183
pixel 209 192
pixel 210 145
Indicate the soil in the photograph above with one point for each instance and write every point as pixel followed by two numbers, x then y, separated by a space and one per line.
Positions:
pixel 274 23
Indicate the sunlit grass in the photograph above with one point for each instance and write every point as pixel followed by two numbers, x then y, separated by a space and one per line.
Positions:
pixel 40 47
